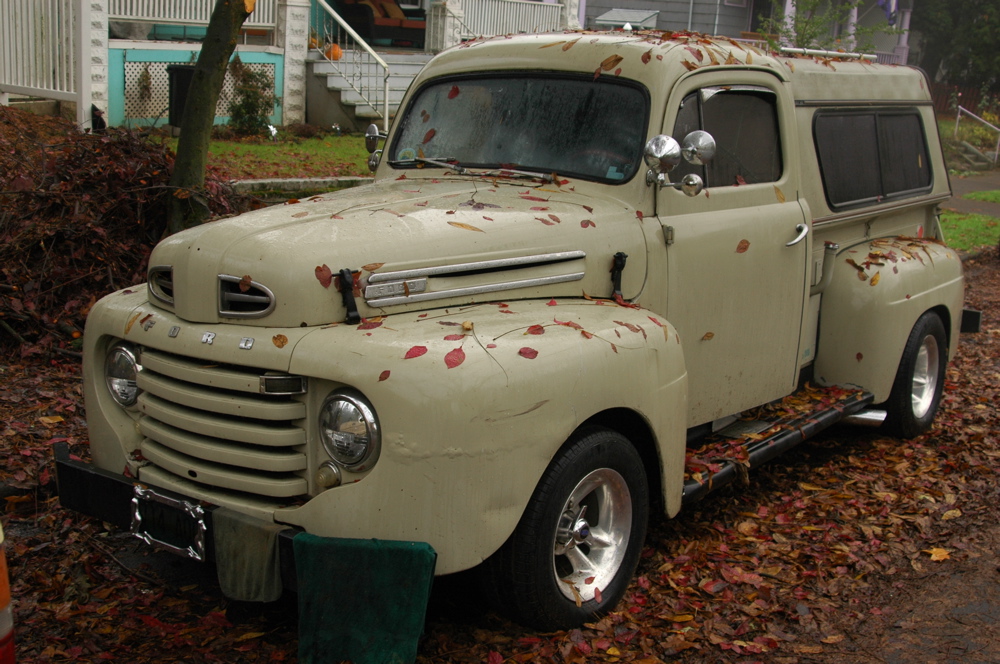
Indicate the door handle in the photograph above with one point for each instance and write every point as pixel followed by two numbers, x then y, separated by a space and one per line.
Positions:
pixel 803 230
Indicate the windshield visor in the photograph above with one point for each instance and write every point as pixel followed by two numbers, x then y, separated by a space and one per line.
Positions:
pixel 571 126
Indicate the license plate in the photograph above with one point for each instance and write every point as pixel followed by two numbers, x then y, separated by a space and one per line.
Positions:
pixel 169 523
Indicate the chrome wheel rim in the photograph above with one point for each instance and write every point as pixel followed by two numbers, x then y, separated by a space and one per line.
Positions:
pixel 923 389
pixel 592 535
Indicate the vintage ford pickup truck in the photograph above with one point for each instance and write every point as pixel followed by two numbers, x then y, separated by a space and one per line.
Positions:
pixel 583 257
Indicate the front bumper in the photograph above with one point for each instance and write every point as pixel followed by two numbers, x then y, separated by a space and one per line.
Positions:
pixel 112 498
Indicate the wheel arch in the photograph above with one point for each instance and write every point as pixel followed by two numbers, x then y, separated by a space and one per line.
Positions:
pixel 640 434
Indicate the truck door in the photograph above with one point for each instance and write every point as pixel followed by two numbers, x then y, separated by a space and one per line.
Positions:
pixel 737 253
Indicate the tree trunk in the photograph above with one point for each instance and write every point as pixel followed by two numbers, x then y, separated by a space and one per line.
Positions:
pixel 189 207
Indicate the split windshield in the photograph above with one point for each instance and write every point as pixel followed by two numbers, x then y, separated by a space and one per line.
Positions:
pixel 572 126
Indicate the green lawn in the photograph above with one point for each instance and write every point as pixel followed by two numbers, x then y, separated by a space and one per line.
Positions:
pixel 987 196
pixel 968 231
pixel 327 156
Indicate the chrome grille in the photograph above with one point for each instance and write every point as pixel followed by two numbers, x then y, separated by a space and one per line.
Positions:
pixel 160 282
pixel 211 424
pixel 240 297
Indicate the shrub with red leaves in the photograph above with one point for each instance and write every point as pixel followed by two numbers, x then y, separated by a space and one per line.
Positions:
pixel 79 215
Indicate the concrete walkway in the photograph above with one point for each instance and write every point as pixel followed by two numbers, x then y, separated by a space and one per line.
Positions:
pixel 960 186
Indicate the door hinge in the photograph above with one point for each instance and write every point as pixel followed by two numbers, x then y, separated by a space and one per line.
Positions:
pixel 668 235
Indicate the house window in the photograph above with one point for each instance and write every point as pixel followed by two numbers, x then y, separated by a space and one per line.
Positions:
pixel 735 3
pixel 743 119
pixel 868 156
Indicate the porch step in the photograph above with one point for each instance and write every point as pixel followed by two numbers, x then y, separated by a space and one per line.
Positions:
pixel 765 432
pixel 976 159
pixel 403 67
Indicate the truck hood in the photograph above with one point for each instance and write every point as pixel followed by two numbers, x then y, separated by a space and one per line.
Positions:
pixel 412 243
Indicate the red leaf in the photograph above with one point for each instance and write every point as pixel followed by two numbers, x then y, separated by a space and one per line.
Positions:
pixel 416 351
pixel 551 303
pixel 647 56
pixel 454 337
pixel 452 94
pixel 494 658
pixel 534 198
pixel 529 353
pixel 383 376
pixel 536 329
pixel 587 223
pixel 429 135
pixel 325 275
pixel 370 325
pixel 638 215
pixel 655 321
pixel 454 358
pixel 568 323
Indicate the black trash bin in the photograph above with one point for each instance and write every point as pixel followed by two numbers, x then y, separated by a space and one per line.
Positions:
pixel 179 80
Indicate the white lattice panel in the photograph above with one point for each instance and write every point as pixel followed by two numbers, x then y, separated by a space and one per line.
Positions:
pixel 147 90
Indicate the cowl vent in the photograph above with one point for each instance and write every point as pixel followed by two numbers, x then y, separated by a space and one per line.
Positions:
pixel 239 299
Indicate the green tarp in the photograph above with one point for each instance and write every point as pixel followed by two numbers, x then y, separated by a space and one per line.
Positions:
pixel 361 600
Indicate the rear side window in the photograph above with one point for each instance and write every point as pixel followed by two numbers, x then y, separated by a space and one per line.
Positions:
pixel 871 156
pixel 743 119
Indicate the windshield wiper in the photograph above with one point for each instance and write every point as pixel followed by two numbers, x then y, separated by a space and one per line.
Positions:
pixel 446 162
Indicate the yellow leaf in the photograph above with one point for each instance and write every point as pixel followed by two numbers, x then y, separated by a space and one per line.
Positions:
pixel 809 487
pixel 50 419
pixel 613 651
pixel 250 635
pixel 279 340
pixel 951 514
pixel 938 554
pixel 131 322
pixel 611 62
pixel 708 336
pixel 468 227
pixel 875 278
pixel 568 45
pixel 684 617
pixel 836 638
pixel 779 194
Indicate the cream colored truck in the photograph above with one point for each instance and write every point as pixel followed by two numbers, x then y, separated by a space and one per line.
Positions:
pixel 583 256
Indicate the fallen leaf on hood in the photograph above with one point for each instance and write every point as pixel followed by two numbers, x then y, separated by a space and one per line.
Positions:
pixel 468 227
pixel 454 358
pixel 325 275
pixel 383 376
pixel 527 352
pixel 415 351
pixel 279 340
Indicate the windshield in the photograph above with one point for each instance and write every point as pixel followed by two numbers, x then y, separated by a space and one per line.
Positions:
pixel 573 126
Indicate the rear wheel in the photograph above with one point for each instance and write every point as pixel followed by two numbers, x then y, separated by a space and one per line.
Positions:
pixel 916 392
pixel 573 554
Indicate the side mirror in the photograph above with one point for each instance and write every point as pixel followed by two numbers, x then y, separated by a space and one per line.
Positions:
pixel 698 148
pixel 662 154
pixel 372 137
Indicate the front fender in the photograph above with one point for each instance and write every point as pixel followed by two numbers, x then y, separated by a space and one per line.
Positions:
pixel 879 290
pixel 472 416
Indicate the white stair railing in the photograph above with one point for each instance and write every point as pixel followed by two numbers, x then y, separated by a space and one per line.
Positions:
pixel 357 62
pixel 505 17
pixel 958 118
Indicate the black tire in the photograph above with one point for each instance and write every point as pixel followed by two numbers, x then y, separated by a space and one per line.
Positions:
pixel 537 576
pixel 916 392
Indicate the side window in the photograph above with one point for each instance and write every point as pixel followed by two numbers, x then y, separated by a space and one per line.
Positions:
pixel 868 156
pixel 744 122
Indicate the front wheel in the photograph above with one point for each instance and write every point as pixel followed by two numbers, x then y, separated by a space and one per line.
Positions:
pixel 916 392
pixel 574 552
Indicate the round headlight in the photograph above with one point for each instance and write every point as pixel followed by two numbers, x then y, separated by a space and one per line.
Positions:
pixel 349 431
pixel 121 368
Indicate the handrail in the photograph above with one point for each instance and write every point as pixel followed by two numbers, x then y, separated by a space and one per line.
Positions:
pixel 958 118
pixel 358 41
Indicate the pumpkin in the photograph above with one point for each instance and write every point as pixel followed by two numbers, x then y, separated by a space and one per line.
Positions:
pixel 334 52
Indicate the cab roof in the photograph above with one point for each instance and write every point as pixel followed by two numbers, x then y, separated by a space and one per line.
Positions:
pixel 655 58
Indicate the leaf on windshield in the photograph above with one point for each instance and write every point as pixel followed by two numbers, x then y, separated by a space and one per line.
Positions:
pixel 454 358
pixel 611 62
pixel 568 45
pixel 453 92
pixel 429 135
pixel 468 227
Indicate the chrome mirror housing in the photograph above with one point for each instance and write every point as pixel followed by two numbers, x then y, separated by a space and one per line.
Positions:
pixel 691 184
pixel 698 148
pixel 371 138
pixel 373 160
pixel 662 154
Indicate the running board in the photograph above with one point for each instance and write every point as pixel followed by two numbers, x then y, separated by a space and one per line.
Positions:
pixel 763 433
